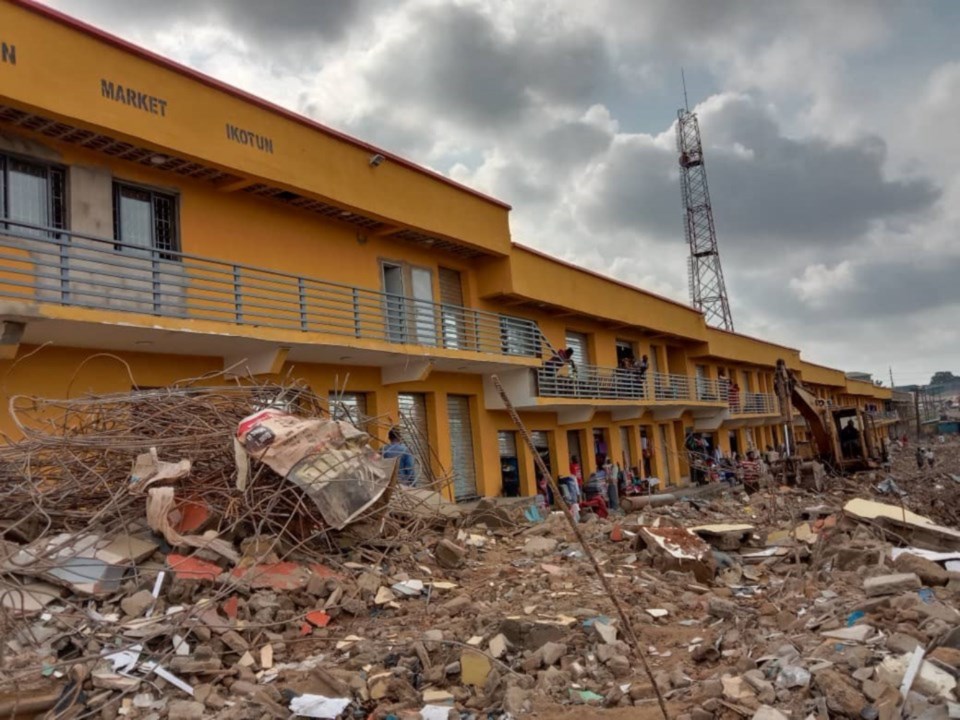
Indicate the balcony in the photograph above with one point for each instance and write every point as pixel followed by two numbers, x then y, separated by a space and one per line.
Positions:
pixel 756 404
pixel 592 382
pixel 42 266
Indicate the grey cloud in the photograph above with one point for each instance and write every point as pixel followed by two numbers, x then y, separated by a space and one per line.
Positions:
pixel 764 186
pixel 269 24
pixel 905 287
pixel 456 65
pixel 572 143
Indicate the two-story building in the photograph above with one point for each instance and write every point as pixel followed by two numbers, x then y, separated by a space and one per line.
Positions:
pixel 152 214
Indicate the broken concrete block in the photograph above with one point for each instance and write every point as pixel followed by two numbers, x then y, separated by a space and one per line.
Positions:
pixel 937 611
pixel 448 554
pixel 842 697
pixel 457 605
pixel 722 608
pixel 874 689
pixel 679 549
pixel 930 680
pixel 901 643
pixel 185 710
pixel 891 584
pixel 929 572
pixel 539 546
pixel 855 633
pixel 135 605
pixel 235 641
pixel 497 646
pixel 946 658
pixel 384 595
pixel 530 635
pixel 765 712
pixel 551 653
pixel 735 688
pixel 606 631
pixel 516 701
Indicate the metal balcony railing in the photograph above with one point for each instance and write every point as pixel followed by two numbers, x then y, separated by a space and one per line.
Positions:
pixel 592 382
pixel 884 415
pixel 756 404
pixel 46 265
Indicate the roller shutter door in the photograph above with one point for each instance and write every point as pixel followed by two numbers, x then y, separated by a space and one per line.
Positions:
pixel 351 407
pixel 461 447
pixel 507 443
pixel 414 429
pixel 578 343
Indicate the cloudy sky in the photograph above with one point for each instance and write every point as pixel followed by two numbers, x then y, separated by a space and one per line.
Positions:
pixel 829 132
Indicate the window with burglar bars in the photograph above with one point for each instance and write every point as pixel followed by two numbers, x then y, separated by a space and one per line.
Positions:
pixel 145 218
pixel 351 407
pixel 33 194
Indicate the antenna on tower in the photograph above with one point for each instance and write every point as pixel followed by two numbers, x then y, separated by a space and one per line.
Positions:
pixel 683 79
pixel 708 292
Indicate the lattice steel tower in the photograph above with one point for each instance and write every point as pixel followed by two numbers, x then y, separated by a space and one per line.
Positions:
pixel 708 292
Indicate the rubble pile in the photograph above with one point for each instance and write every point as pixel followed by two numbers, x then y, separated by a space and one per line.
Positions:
pixel 933 491
pixel 237 597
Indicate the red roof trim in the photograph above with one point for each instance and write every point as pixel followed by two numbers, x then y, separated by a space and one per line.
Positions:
pixel 64 19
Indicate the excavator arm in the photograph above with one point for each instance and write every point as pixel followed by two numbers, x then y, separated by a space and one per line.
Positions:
pixel 792 392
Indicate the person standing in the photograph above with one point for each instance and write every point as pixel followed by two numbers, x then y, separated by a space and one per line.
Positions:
pixel 406 467
pixel 751 471
pixel 921 457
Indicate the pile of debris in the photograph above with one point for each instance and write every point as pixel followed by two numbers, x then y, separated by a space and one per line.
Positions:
pixel 271 578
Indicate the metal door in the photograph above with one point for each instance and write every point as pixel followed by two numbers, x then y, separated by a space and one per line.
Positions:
pixel 461 448
pixel 415 432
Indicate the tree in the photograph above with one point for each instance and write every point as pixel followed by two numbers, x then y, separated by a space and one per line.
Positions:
pixel 944 377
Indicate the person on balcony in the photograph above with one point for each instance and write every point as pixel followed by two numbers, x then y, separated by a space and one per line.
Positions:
pixel 625 378
pixel 396 448
pixel 550 377
pixel 734 397
pixel 559 359
pixel 640 368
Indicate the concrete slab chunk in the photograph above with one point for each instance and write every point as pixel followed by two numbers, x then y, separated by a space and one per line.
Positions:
pixel 891 584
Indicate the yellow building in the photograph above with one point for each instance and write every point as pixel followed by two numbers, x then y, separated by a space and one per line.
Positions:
pixel 186 227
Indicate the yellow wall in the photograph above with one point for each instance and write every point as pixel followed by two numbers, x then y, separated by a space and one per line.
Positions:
pixel 529 274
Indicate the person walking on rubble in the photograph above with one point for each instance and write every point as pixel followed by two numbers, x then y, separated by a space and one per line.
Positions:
pixel 921 456
pixel 396 448
pixel 928 456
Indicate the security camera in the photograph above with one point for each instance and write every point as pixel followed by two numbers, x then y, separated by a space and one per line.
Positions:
pixel 375 160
